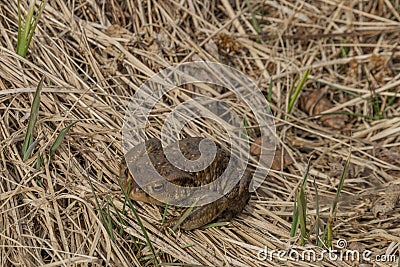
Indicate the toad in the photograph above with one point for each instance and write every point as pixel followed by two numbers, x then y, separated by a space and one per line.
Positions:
pixel 222 209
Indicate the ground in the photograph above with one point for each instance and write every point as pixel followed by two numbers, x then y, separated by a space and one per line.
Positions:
pixel 93 55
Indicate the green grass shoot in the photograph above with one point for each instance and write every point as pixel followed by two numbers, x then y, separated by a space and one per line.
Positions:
pixel 299 202
pixel 246 126
pixel 26 30
pixel 103 214
pixel 165 211
pixel 60 138
pixel 253 18
pixel 328 233
pixel 269 96
pixel 295 217
pixel 294 94
pixel 300 208
pixel 146 236
pixel 185 215
pixel 29 145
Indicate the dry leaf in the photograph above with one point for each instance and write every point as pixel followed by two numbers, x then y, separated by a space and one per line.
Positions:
pixel 316 102
pixel 227 43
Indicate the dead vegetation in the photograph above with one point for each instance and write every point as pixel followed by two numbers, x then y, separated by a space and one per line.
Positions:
pixel 95 54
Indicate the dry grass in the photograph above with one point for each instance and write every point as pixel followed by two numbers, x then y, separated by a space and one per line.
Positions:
pixel 95 54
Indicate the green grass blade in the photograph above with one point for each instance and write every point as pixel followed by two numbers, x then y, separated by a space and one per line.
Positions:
pixel 329 232
pixel 109 222
pixel 246 125
pixel 60 138
pixel 26 30
pixel 104 218
pixel 376 106
pixel 269 96
pixel 344 51
pixel 146 236
pixel 305 177
pixel 118 215
pixel 341 182
pixel 302 208
pixel 38 161
pixel 296 78
pixel 295 218
pixel 29 19
pixel 32 121
pixel 253 17
pixel 33 25
pixel 185 215
pixel 293 98
pixel 317 241
pixel 165 211
pixel 31 148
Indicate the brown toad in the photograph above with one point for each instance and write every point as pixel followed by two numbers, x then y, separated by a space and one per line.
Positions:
pixel 223 209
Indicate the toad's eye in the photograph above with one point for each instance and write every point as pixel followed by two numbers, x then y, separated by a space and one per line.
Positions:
pixel 138 189
pixel 157 187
